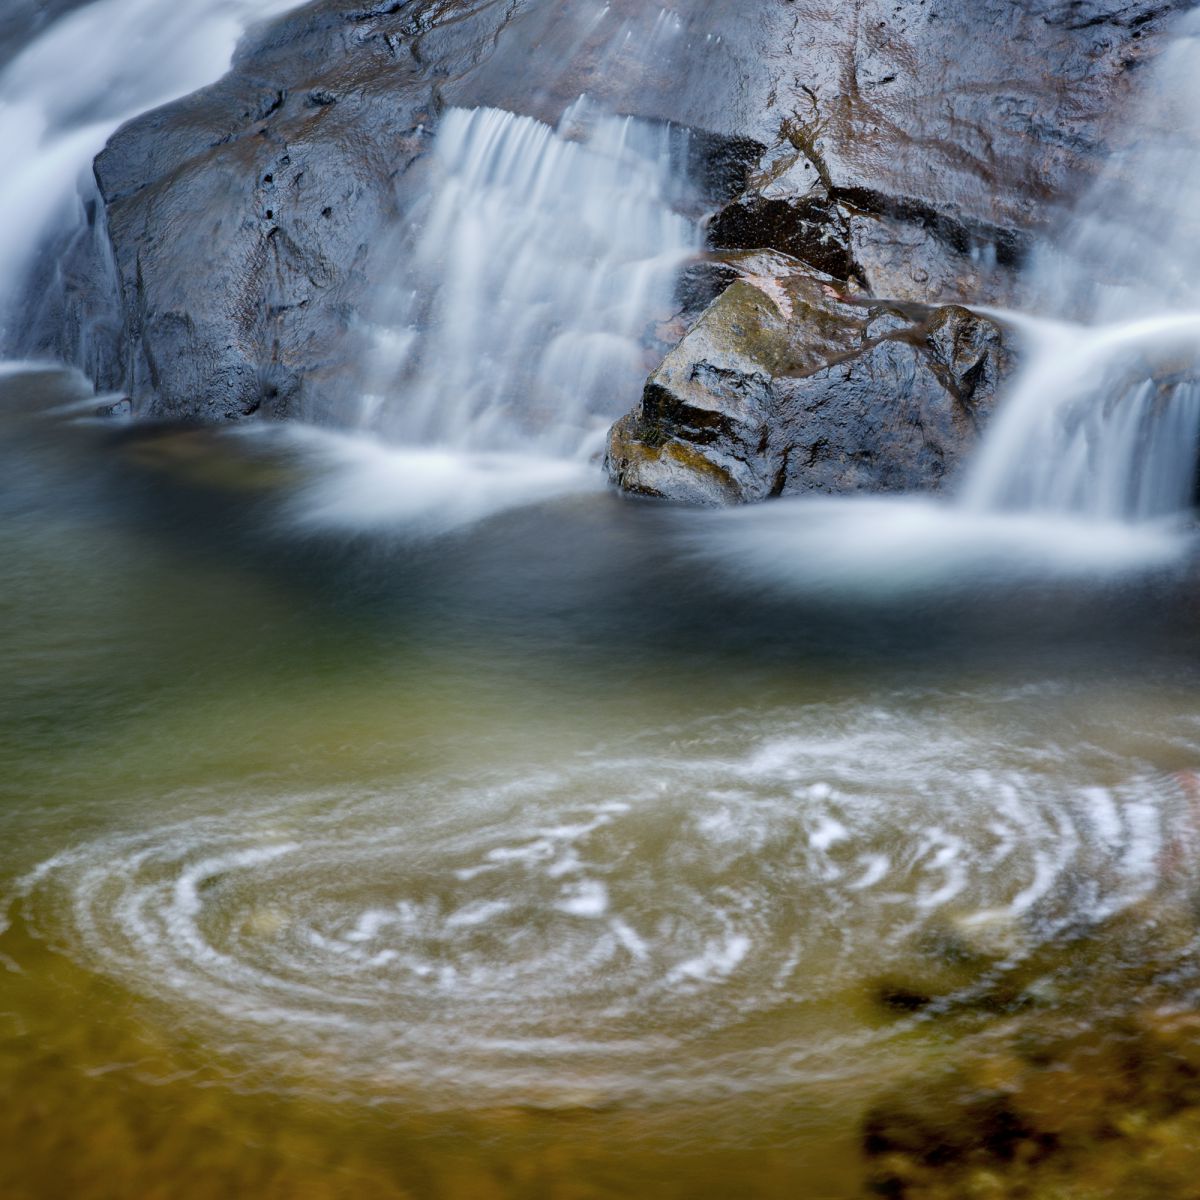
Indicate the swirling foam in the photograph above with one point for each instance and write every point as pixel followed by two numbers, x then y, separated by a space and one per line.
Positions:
pixel 666 918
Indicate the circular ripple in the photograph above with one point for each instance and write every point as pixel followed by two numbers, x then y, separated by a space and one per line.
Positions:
pixel 677 916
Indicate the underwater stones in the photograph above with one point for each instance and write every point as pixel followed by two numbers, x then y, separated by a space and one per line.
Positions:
pixel 788 383
pixel 951 967
pixel 988 935
pixel 1112 1110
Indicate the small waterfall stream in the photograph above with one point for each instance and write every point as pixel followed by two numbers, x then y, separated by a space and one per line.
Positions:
pixel 1104 421
pixel 540 263
pixel 1093 429
pixel 69 90
pixel 582 852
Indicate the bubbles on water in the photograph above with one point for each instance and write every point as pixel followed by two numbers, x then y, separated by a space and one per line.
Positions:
pixel 672 916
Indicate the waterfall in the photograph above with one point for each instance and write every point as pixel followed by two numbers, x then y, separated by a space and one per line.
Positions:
pixel 69 90
pixel 541 261
pixel 533 284
pixel 1093 428
pixel 1104 421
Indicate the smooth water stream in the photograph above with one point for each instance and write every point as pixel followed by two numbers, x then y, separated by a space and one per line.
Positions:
pixel 542 258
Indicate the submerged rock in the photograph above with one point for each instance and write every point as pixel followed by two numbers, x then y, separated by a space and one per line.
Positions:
pixel 789 384
pixel 1081 1080
pixel 1107 1111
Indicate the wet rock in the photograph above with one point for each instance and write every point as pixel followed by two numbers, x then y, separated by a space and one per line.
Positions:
pixel 789 384
pixel 249 221
pixel 699 284
pixel 1095 1095
pixel 985 936
pixel 788 208
pixel 1111 1110
pixel 120 408
pixel 934 194
pixel 982 961
pixel 243 218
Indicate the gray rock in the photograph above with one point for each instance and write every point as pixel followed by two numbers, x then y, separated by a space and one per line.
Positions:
pixel 248 221
pixel 787 207
pixel 789 384
pixel 243 218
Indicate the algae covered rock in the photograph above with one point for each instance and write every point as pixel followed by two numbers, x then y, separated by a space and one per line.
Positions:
pixel 789 383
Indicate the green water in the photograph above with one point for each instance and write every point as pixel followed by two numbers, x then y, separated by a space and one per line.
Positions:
pixel 539 857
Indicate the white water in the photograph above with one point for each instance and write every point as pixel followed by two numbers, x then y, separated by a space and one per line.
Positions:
pixel 520 331
pixel 74 85
pixel 541 260
pixel 1088 468
pixel 363 484
pixel 1104 421
pixel 524 319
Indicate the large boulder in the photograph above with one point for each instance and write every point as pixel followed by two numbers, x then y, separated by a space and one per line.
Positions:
pixel 243 218
pixel 787 384
pixel 249 221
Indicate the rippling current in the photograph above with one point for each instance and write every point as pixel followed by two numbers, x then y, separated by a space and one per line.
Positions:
pixel 670 916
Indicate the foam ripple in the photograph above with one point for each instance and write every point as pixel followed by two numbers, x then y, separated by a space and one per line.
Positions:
pixel 623 920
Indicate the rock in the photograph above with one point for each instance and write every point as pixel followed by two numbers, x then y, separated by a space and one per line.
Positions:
pixel 788 208
pixel 1015 122
pixel 249 221
pixel 118 409
pixel 1108 1111
pixel 985 936
pixel 790 384
pixel 242 218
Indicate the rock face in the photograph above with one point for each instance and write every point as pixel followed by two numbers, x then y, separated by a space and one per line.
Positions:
pixel 247 222
pixel 242 217
pixel 788 384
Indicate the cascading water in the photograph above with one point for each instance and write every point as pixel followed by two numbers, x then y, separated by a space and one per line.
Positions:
pixel 549 858
pixel 65 94
pixel 1092 429
pixel 1105 420
pixel 524 317
pixel 1090 461
pixel 541 261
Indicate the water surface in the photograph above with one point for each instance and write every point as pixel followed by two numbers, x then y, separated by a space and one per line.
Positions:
pixel 552 850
